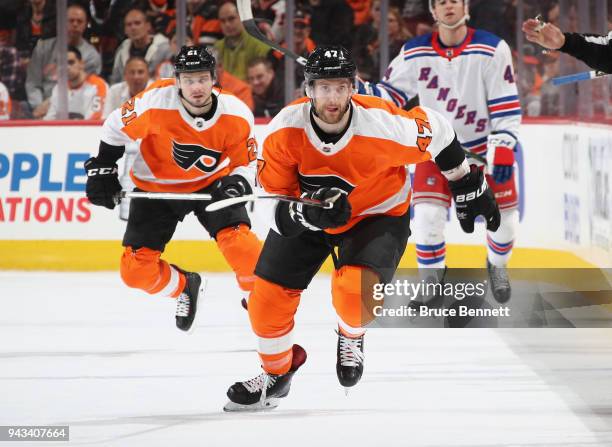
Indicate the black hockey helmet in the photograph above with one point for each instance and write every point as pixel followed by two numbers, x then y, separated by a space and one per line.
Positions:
pixel 194 58
pixel 329 62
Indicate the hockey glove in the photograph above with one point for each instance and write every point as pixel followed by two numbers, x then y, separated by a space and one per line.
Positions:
pixel 473 197
pixel 500 156
pixel 230 186
pixel 102 182
pixel 316 218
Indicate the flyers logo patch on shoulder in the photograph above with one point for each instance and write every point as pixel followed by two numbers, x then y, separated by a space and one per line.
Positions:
pixel 190 155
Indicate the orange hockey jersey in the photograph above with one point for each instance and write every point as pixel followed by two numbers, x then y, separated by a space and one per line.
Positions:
pixel 369 162
pixel 179 153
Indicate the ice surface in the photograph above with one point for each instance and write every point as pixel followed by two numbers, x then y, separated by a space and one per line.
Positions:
pixel 81 349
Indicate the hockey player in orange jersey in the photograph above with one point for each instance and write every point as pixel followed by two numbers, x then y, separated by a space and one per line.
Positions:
pixel 194 138
pixel 351 151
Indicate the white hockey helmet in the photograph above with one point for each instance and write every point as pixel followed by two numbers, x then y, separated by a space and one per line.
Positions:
pixel 461 21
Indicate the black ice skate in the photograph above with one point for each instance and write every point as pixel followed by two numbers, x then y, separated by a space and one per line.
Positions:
pixel 350 357
pixel 264 391
pixel 500 284
pixel 187 301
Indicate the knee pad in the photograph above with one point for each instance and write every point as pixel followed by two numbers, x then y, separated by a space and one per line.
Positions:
pixel 428 223
pixel 143 269
pixel 352 297
pixel 271 308
pixel 240 248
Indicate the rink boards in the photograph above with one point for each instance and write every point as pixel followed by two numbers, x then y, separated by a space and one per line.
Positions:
pixel 46 222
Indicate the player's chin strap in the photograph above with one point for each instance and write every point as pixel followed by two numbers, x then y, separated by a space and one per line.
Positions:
pixel 459 22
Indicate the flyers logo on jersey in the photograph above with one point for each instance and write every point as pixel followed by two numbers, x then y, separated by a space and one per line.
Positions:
pixel 313 182
pixel 190 155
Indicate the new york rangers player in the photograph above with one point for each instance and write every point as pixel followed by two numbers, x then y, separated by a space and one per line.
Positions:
pixel 466 75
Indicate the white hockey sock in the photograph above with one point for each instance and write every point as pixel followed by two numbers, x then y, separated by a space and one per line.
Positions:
pixel 500 242
pixel 428 226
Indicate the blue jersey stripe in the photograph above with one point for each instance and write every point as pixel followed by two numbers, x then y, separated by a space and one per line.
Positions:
pixel 474 142
pixel 503 99
pixel 503 114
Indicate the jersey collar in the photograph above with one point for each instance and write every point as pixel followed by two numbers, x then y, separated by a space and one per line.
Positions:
pixel 327 148
pixel 451 52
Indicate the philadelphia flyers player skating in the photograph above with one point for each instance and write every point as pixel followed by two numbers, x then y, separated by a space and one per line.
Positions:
pixel 194 138
pixel 351 150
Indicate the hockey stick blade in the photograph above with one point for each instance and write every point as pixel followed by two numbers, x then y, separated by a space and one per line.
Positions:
pixel 160 196
pixel 246 16
pixel 253 197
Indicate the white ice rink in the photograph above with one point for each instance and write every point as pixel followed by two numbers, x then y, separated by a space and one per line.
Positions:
pixel 82 350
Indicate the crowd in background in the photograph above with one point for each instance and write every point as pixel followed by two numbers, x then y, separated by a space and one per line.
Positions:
pixel 118 47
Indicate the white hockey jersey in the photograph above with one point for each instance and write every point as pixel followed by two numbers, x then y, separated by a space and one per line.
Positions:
pixel 85 102
pixel 180 153
pixel 472 85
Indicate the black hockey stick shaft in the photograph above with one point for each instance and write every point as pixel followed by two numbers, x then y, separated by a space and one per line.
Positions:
pixel 246 16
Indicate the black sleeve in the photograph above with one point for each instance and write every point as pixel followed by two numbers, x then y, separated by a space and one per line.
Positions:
pixel 596 54
pixel 108 153
pixel 451 156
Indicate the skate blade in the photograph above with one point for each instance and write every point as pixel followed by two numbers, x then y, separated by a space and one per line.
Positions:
pixel 201 292
pixel 269 404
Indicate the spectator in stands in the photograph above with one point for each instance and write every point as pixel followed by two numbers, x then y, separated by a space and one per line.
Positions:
pixel 166 68
pixel 34 21
pixel 159 14
pixel 202 20
pixel 86 92
pixel 268 91
pixel 140 42
pixel 106 29
pixel 237 48
pixel 414 13
pixel 12 75
pixel 5 103
pixel 9 65
pixel 331 22
pixel 495 19
pixel 303 45
pixel 361 11
pixel 136 75
pixel 231 83
pixel 42 69
pixel 367 48
pixel 270 15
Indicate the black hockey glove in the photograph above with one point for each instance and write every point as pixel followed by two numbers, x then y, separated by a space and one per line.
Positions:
pixel 102 182
pixel 473 197
pixel 316 218
pixel 230 186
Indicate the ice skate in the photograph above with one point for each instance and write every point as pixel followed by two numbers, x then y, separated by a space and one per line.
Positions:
pixel 350 357
pixel 187 301
pixel 500 284
pixel 265 391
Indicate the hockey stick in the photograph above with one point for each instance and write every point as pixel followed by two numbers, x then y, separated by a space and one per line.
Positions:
pixel 160 195
pixel 576 77
pixel 246 16
pixel 476 157
pixel 252 197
